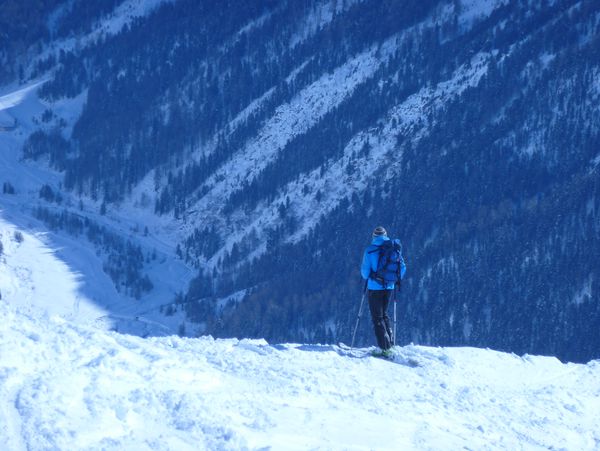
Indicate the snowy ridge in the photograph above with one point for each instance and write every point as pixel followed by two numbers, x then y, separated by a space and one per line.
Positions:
pixel 67 386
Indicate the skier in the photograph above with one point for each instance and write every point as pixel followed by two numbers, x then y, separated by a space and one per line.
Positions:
pixel 380 289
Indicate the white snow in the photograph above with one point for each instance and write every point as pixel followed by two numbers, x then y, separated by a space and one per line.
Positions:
pixel 33 278
pixel 585 293
pixel 124 14
pixel 320 15
pixel 546 58
pixel 256 23
pixel 472 11
pixel 15 97
pixel 251 108
pixel 67 386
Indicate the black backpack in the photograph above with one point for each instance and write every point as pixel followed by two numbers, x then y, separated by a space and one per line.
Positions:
pixel 389 262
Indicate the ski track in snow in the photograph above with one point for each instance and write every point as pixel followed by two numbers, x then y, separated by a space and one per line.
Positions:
pixel 67 386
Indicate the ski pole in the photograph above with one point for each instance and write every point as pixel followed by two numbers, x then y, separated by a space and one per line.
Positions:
pixel 397 288
pixel 362 300
pixel 394 340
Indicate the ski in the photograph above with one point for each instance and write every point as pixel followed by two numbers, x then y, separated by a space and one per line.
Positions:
pixel 382 354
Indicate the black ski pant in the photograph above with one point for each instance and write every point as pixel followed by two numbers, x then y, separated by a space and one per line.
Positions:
pixel 378 304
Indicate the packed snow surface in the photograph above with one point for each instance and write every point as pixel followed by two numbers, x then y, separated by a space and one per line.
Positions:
pixel 69 386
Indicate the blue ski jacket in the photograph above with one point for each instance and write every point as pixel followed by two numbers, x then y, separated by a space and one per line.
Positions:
pixel 369 264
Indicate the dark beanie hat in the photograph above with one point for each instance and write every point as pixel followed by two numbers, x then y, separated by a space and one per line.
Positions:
pixel 379 231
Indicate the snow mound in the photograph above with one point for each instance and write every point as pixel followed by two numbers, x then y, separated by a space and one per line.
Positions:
pixel 72 386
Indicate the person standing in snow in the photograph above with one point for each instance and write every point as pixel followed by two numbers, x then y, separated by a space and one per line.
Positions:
pixel 379 291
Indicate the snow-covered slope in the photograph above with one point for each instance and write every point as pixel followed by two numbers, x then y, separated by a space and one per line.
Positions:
pixel 82 261
pixel 68 386
pixel 57 274
pixel 33 278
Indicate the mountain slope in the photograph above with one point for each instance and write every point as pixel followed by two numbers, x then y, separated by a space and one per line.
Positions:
pixel 66 383
pixel 256 147
pixel 59 274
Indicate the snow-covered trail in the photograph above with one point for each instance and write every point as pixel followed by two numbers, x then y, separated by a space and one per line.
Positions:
pixel 69 386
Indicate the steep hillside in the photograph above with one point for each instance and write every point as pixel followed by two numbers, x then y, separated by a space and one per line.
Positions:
pixel 260 144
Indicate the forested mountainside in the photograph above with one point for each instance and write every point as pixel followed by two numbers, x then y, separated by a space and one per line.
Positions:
pixel 269 139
